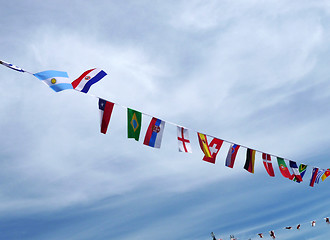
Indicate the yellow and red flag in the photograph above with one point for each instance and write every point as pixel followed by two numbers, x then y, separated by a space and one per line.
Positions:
pixel 326 174
pixel 204 145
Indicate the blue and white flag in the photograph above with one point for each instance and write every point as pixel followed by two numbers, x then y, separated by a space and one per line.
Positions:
pixel 319 175
pixel 11 66
pixel 56 80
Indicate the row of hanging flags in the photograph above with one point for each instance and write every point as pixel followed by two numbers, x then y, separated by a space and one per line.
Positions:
pixel 59 81
pixel 272 232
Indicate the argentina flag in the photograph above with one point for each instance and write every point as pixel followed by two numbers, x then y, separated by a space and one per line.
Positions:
pixel 56 80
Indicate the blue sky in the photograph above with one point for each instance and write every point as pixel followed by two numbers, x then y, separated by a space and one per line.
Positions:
pixel 250 72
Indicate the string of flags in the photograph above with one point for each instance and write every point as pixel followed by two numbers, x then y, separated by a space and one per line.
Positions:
pixel 272 232
pixel 59 81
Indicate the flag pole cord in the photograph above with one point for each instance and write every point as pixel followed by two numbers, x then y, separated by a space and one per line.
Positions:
pixel 174 124
pixel 294 226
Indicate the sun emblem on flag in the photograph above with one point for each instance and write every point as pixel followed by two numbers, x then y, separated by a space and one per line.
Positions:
pixel 156 129
pixel 134 123
pixel 87 78
pixel 53 81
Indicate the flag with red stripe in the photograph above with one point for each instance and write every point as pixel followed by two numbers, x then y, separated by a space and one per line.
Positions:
pixel 87 79
pixel 250 160
pixel 105 113
pixel 232 152
pixel 154 134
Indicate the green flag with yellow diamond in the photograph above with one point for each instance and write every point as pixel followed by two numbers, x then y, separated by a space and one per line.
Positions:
pixel 133 124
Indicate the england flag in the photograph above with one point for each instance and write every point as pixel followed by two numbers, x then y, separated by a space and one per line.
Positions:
pixel 183 140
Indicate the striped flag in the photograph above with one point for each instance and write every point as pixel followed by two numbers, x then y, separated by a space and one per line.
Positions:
pixel 203 144
pixel 250 160
pixel 232 152
pixel 154 134
pixel 56 80
pixel 319 175
pixel 105 108
pixel 313 177
pixel 87 79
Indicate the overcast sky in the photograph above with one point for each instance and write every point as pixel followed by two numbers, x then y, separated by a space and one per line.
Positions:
pixel 251 72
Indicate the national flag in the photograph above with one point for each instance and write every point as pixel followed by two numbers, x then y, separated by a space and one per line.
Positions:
pixel 183 140
pixel 313 177
pixel 302 171
pixel 87 79
pixel 313 223
pixel 250 159
pixel 295 170
pixel 9 65
pixel 134 120
pixel 327 220
pixel 319 175
pixel 326 174
pixel 214 148
pixel 154 134
pixel 260 235
pixel 210 150
pixel 288 228
pixel 272 234
pixel 202 139
pixel 298 226
pixel 284 169
pixel 232 152
pixel 56 80
pixel 267 161
pixel 105 114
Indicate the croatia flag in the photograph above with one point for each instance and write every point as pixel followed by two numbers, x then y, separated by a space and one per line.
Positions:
pixel 105 113
pixel 183 140
pixel 154 133
pixel 230 160
pixel 87 79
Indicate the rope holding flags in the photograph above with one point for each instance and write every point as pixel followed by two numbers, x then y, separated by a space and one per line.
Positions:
pixel 59 81
pixel 272 234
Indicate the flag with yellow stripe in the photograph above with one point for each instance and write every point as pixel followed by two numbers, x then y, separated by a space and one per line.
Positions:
pixel 204 145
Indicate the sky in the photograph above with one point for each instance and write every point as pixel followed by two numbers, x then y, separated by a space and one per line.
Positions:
pixel 250 72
